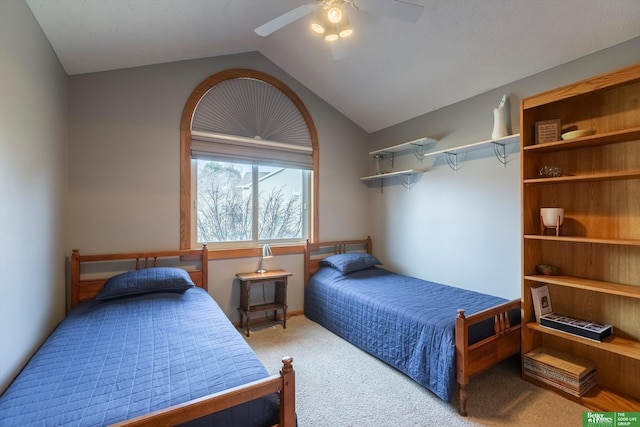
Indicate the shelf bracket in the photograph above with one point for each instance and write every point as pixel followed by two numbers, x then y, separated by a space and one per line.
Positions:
pixel 384 161
pixel 418 151
pixel 452 161
pixel 406 181
pixel 379 185
pixel 501 154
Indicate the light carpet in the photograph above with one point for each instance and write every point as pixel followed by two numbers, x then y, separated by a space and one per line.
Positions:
pixel 337 384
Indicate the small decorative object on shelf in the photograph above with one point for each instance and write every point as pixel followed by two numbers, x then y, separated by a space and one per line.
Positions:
pixel 577 134
pixel 547 131
pixel 550 172
pixel 551 218
pixel 579 327
pixel 500 120
pixel 547 269
pixel 541 301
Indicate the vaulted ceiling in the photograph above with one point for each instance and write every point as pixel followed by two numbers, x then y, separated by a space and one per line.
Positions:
pixel 390 70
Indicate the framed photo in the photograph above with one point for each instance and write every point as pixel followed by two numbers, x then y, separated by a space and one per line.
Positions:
pixel 547 131
pixel 541 301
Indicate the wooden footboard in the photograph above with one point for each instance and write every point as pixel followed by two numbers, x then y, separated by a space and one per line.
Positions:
pixel 475 358
pixel 284 383
pixel 470 359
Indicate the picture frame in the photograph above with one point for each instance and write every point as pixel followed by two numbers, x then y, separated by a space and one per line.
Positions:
pixel 541 301
pixel 547 131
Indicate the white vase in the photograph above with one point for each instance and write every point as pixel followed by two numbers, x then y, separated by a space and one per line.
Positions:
pixel 500 120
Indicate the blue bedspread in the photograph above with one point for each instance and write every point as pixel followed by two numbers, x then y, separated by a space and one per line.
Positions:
pixel 406 322
pixel 114 360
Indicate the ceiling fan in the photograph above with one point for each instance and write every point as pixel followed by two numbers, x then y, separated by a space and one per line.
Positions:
pixel 330 17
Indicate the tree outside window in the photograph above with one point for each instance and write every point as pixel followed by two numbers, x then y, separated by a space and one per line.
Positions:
pixel 228 192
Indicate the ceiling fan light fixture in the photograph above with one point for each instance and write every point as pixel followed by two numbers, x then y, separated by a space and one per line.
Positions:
pixel 319 22
pixel 332 36
pixel 334 14
pixel 331 21
pixel 344 28
pixel 345 33
pixel 317 27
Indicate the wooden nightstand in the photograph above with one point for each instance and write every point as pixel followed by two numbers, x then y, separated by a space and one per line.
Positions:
pixel 279 278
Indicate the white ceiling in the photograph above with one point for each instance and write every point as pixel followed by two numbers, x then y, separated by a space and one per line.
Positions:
pixel 393 70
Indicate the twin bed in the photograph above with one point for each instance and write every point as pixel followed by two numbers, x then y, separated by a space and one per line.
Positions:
pixel 148 347
pixel 151 347
pixel 418 327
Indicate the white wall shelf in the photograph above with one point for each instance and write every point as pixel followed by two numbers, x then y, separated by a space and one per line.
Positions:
pixel 384 155
pixel 406 177
pixel 417 145
pixel 499 149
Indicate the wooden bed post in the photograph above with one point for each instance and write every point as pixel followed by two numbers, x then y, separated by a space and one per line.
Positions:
pixel 288 394
pixel 462 377
pixel 205 267
pixel 75 277
pixel 307 260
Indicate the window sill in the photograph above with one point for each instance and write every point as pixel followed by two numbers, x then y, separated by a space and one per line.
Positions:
pixel 216 254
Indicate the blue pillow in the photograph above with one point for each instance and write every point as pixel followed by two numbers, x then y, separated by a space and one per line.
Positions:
pixel 155 279
pixel 350 262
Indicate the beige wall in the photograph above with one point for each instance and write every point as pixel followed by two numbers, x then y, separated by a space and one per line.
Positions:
pixel 123 178
pixel 124 165
pixel 464 229
pixel 33 167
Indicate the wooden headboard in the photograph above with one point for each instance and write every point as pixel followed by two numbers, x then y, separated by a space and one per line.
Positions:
pixel 315 252
pixel 87 289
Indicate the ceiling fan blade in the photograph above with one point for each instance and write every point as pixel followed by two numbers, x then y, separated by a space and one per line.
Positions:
pixel 394 9
pixel 284 19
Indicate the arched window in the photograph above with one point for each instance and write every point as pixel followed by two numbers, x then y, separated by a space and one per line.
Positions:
pixel 249 163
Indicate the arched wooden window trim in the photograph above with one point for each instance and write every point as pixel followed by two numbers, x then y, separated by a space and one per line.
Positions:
pixel 185 155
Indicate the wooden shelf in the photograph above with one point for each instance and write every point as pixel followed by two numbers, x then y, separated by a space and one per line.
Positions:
pixel 391 174
pixel 603 176
pixel 575 239
pixel 587 284
pixel 265 307
pixel 598 398
pixel 604 399
pixel 601 250
pixel 615 137
pixel 613 344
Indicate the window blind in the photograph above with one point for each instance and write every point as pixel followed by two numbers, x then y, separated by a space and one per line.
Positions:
pixel 248 120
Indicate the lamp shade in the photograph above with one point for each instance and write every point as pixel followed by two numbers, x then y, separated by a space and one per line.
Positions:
pixel 344 28
pixel 334 14
pixel 318 23
pixel 266 251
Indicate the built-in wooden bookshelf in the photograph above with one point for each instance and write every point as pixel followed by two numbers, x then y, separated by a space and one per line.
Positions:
pixel 598 248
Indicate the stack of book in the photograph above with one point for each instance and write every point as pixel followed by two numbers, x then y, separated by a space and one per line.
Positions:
pixel 570 373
